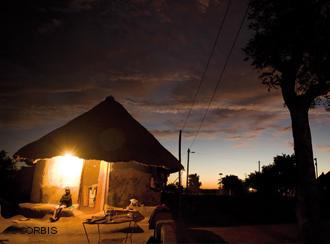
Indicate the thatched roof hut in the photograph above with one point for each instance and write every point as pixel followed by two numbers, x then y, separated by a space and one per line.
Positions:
pixel 106 132
pixel 113 159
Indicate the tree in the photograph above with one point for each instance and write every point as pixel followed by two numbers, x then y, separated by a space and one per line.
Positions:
pixel 278 178
pixel 173 188
pixel 324 183
pixel 220 181
pixel 256 180
pixel 232 185
pixel 194 184
pixel 290 48
pixel 7 171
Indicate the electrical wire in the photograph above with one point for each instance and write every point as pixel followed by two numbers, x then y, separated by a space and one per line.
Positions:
pixel 221 75
pixel 207 64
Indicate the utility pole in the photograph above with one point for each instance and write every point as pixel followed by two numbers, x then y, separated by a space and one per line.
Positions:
pixel 180 134
pixel 188 156
pixel 180 183
pixel 316 170
pixel 259 166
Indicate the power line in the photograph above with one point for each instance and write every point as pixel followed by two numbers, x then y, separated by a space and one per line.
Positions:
pixel 207 64
pixel 221 74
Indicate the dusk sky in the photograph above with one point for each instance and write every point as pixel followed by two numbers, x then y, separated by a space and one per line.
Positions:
pixel 61 58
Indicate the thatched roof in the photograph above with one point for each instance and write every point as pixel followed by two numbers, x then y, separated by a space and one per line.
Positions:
pixel 106 132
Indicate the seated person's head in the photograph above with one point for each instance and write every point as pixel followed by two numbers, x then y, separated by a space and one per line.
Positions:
pixel 67 190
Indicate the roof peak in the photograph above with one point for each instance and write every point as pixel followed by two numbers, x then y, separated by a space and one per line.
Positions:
pixel 110 98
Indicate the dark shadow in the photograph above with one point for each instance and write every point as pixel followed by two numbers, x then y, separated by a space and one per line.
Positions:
pixel 153 240
pixel 15 229
pixel 125 230
pixel 200 236
pixel 279 237
pixel 217 210
pixel 136 229
pixel 112 241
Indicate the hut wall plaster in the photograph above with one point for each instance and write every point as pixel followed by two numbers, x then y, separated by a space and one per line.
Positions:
pixel 129 180
pixel 43 188
pixel 39 170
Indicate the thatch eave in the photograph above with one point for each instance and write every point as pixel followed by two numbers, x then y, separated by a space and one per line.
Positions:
pixel 107 132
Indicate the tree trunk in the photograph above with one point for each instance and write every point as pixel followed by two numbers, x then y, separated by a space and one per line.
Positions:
pixel 308 204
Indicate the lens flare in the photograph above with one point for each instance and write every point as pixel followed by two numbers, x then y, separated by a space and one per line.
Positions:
pixel 65 171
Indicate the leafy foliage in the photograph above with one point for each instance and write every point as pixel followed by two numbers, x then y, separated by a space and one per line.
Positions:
pixel 278 178
pixel 290 47
pixel 232 185
pixel 7 171
pixel 324 182
pixel 194 184
pixel 173 188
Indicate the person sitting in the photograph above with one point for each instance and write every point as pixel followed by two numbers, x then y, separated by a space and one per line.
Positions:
pixel 65 202
pixel 133 204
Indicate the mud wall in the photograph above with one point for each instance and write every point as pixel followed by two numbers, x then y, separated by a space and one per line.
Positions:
pixel 42 191
pixel 129 180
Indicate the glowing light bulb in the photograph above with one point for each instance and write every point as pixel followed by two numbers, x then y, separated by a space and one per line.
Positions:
pixel 65 171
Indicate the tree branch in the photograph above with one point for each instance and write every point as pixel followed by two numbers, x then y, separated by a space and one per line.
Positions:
pixel 320 89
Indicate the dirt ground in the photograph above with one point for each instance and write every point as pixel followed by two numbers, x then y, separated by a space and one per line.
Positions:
pixel 69 230
pixel 254 234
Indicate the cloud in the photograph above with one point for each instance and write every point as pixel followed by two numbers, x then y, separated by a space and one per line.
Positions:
pixel 77 61
pixel 235 124
pixel 173 134
pixel 149 55
pixel 323 148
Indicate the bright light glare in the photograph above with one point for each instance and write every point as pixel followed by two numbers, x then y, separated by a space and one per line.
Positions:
pixel 67 154
pixel 65 171
pixel 252 189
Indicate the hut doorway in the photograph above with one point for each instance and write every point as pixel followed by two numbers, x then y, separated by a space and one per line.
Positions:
pixel 94 185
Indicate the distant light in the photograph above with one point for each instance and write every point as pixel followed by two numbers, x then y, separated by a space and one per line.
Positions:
pixel 252 189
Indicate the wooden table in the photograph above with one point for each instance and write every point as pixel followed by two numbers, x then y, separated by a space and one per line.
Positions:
pixel 129 220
